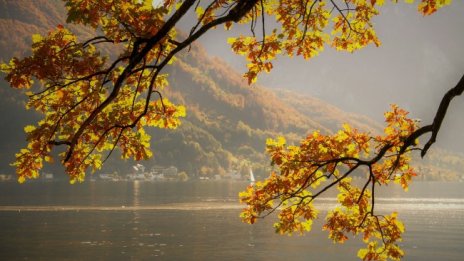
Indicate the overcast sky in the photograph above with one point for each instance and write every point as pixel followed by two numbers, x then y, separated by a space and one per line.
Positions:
pixel 419 60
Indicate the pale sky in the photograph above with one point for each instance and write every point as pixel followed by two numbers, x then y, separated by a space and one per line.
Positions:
pixel 419 60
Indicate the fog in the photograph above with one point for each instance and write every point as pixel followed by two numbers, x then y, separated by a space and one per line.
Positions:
pixel 419 60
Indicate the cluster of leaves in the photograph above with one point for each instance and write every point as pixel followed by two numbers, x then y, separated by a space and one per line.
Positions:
pixel 88 103
pixel 306 26
pixel 93 102
pixel 324 161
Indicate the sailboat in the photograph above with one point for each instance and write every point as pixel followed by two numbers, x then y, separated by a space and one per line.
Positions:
pixel 252 178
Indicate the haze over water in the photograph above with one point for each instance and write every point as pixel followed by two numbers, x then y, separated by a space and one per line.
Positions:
pixel 199 221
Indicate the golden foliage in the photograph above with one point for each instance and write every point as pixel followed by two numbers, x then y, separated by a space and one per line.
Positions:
pixel 75 78
pixel 322 161
pixel 305 27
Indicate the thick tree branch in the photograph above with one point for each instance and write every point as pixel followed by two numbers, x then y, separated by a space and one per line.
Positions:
pixel 434 128
pixel 234 15
pixel 381 153
pixel 134 60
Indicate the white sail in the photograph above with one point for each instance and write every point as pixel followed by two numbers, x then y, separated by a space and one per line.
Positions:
pixel 252 177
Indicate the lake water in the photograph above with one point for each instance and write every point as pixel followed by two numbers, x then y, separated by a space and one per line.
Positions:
pixel 198 220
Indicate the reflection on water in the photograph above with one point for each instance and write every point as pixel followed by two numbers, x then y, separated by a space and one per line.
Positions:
pixel 136 196
pixel 383 204
pixel 199 221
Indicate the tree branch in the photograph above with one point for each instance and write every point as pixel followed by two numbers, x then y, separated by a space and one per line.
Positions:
pixel 434 128
pixel 134 60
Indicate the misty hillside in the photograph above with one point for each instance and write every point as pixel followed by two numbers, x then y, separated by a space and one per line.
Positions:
pixel 227 121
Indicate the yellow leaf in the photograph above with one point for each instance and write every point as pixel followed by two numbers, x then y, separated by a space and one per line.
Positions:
pixel 231 40
pixel 347 127
pixel 21 179
pixel 362 253
pixel 322 149
pixel 351 148
pixel 36 38
pixel 389 130
pixel 200 11
pixel 29 128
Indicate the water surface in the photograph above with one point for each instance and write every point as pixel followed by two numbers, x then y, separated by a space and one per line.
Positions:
pixel 199 221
